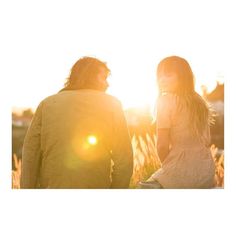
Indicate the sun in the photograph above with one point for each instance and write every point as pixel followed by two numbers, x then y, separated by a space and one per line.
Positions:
pixel 134 96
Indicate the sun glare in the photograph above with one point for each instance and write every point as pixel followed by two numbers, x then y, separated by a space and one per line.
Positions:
pixel 134 96
pixel 92 140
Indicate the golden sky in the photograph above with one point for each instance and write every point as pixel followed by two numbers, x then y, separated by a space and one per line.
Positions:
pixel 47 37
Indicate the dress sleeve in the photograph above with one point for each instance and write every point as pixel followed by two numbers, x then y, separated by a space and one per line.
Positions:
pixel 165 106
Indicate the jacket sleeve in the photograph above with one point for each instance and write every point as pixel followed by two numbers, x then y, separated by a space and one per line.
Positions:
pixel 31 153
pixel 122 153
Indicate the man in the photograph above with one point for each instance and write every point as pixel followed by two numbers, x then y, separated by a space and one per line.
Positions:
pixel 78 138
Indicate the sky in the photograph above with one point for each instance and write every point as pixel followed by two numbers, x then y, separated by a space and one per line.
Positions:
pixel 45 38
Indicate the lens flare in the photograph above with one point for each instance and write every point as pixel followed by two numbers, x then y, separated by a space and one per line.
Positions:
pixel 92 140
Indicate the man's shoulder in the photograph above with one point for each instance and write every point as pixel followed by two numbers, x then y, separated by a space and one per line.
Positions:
pixel 101 96
pixel 94 95
pixel 49 98
pixel 112 99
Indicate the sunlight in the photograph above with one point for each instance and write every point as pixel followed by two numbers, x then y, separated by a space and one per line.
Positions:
pixel 85 147
pixel 139 95
pixel 132 59
pixel 92 140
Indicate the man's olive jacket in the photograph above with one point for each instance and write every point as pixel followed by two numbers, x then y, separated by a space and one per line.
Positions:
pixel 77 139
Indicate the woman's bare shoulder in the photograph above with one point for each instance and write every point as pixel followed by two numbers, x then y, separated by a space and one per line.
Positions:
pixel 168 99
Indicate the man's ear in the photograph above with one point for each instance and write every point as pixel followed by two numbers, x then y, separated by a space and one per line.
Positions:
pixel 100 85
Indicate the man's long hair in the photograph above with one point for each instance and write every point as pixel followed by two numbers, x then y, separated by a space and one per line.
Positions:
pixel 199 110
pixel 83 74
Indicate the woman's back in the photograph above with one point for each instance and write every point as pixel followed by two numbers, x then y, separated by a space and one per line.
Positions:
pixel 189 163
pixel 180 131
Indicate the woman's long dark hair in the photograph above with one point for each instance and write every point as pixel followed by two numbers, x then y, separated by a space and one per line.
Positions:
pixel 199 110
pixel 83 74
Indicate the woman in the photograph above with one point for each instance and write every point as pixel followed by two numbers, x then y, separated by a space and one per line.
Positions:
pixel 183 120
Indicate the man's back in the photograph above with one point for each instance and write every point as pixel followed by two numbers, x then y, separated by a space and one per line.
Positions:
pixel 81 131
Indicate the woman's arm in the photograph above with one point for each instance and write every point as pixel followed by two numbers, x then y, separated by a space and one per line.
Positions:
pixel 163 143
pixel 165 109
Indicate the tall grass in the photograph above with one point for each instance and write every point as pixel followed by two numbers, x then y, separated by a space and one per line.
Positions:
pixel 16 174
pixel 146 160
pixel 218 157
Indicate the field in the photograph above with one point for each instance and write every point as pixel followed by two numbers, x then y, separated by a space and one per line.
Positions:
pixel 146 161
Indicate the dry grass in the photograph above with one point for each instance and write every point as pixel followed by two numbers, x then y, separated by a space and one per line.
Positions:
pixel 146 162
pixel 16 173
pixel 219 163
